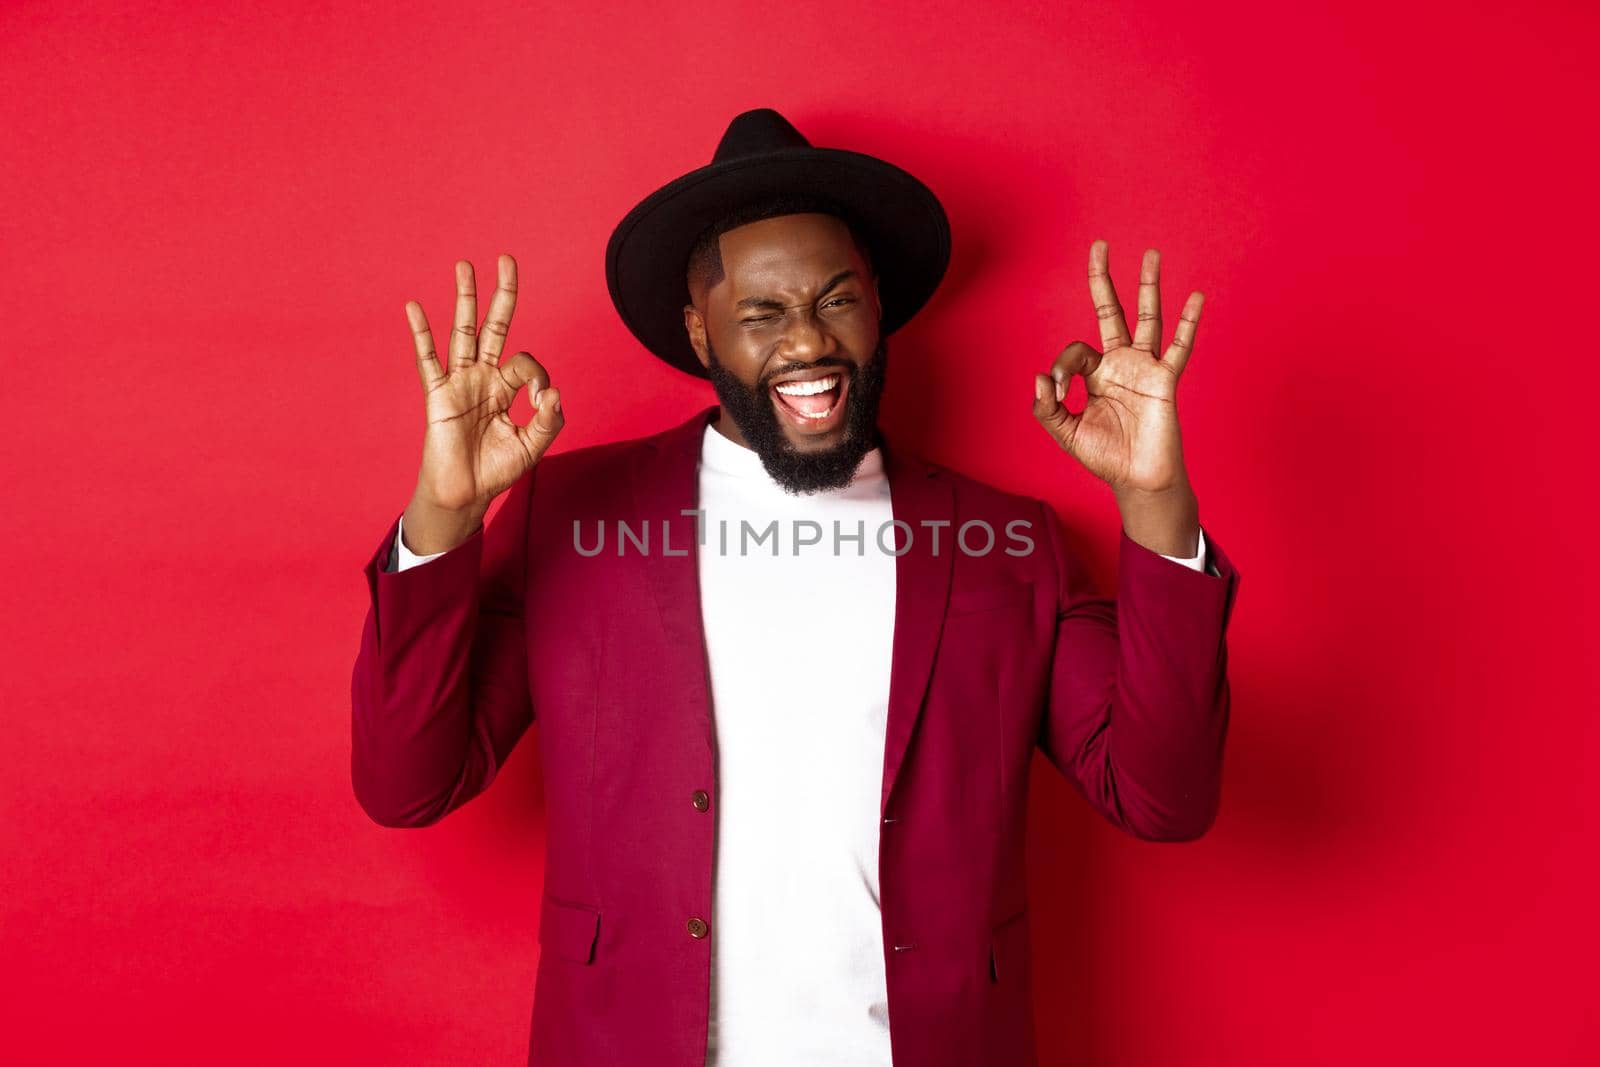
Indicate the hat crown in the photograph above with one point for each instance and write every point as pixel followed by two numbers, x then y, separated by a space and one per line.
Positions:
pixel 757 132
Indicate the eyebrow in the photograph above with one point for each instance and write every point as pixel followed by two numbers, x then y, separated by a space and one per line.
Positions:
pixel 770 302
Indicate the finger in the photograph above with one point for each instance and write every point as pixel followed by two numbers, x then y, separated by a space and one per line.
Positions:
pixel 522 371
pixel 497 323
pixel 464 335
pixel 1052 413
pixel 1077 358
pixel 422 340
pixel 1177 354
pixel 547 421
pixel 1113 328
pixel 1147 332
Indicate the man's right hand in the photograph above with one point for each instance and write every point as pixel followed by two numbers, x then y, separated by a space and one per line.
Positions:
pixel 472 451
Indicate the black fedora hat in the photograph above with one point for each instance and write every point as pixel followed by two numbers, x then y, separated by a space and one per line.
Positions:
pixel 762 155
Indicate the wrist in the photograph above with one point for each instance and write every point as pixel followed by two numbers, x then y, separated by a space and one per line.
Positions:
pixel 1179 492
pixel 429 528
pixel 1166 521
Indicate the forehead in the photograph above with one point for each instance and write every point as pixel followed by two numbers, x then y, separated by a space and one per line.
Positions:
pixel 788 249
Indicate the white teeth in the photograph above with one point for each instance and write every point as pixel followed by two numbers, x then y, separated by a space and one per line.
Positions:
pixel 821 385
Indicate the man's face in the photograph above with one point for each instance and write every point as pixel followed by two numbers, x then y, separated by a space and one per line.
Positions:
pixel 789 337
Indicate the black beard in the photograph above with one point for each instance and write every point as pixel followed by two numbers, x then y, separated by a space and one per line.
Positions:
pixel 793 470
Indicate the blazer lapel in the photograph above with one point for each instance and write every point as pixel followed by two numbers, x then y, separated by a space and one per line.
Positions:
pixel 666 483
pixel 918 494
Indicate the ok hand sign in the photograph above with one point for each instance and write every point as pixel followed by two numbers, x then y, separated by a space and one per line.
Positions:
pixel 1127 433
pixel 472 451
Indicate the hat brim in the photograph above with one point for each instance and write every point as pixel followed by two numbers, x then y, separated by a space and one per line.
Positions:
pixel 901 220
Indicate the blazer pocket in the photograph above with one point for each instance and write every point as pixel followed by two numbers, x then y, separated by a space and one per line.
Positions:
pixel 970 601
pixel 1008 948
pixel 568 930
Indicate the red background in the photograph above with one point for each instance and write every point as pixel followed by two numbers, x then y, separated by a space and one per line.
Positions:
pixel 213 220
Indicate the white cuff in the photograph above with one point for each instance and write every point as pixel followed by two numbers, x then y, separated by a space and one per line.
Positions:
pixel 1194 563
pixel 404 557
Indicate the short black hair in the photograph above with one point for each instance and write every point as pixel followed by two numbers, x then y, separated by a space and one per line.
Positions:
pixel 704 268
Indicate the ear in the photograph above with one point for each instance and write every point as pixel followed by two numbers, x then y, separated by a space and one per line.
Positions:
pixel 695 325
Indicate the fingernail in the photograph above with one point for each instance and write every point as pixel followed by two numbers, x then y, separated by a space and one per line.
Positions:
pixel 558 404
pixel 1038 389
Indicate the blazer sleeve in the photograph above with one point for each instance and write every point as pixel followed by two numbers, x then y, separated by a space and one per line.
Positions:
pixel 1138 698
pixel 439 693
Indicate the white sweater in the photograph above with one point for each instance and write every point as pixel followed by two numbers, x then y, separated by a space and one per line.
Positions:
pixel 798 639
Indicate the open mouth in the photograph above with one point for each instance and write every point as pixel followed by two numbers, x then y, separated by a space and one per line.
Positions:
pixel 812 404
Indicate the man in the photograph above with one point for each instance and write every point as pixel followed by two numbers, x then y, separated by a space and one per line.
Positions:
pixel 788 676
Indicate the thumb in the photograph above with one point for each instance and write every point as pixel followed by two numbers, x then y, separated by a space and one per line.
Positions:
pixel 523 371
pixel 1052 413
pixel 547 421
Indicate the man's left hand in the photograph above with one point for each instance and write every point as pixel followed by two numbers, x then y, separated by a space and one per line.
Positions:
pixel 1127 433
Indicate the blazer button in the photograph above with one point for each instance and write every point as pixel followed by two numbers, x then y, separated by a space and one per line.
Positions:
pixel 700 799
pixel 697 927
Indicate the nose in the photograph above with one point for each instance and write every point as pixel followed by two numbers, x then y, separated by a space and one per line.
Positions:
pixel 804 338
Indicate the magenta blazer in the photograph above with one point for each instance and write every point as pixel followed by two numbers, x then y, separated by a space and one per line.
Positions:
pixel 993 655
